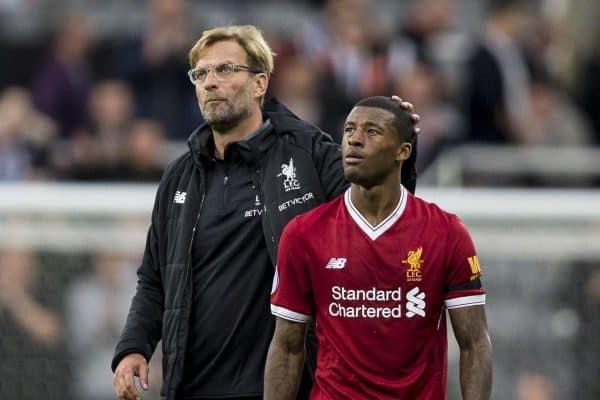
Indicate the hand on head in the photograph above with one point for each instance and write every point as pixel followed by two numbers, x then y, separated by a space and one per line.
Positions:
pixel 414 117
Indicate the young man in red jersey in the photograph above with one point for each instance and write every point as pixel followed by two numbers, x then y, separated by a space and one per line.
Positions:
pixel 377 268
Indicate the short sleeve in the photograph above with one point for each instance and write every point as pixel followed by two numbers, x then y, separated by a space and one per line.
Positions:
pixel 291 295
pixel 463 284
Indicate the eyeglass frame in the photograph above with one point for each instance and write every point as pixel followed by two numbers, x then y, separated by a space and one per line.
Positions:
pixel 236 68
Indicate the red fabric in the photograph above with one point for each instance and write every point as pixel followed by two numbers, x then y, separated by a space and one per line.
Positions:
pixel 379 349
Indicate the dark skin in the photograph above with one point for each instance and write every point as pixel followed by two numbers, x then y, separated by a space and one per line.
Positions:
pixel 285 360
pixel 373 153
pixel 470 330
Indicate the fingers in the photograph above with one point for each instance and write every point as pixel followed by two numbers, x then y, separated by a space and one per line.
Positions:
pixel 414 117
pixel 404 104
pixel 124 384
pixel 130 388
pixel 144 370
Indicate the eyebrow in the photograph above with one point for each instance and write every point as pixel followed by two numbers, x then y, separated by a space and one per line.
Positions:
pixel 367 124
pixel 218 63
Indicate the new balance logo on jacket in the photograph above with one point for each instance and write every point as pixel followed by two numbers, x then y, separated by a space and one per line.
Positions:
pixel 179 197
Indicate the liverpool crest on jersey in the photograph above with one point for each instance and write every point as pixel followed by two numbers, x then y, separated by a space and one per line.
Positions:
pixel 415 262
pixel 289 171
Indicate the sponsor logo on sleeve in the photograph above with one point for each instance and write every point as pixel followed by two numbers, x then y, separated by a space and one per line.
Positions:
pixel 475 267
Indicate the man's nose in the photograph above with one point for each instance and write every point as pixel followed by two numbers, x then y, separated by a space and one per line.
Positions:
pixel 210 82
pixel 356 139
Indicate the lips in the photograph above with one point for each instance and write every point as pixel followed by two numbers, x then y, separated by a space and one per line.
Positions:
pixel 353 157
pixel 214 100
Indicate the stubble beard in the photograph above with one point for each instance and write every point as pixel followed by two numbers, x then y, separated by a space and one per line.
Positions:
pixel 227 114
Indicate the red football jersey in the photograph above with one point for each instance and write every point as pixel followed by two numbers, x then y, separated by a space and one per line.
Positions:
pixel 378 295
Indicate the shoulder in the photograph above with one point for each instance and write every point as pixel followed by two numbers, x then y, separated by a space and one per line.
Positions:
pixel 296 132
pixel 423 209
pixel 178 165
pixel 174 172
pixel 311 222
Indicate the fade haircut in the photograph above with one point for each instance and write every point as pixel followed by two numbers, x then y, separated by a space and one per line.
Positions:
pixel 249 37
pixel 406 131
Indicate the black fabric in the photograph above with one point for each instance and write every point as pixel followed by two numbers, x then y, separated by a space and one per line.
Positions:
pixel 232 277
pixel 484 97
pixel 474 284
pixel 162 305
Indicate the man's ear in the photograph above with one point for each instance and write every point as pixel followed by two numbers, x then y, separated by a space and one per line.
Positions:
pixel 404 151
pixel 262 84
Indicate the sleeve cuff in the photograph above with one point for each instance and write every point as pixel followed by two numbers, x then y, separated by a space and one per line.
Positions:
pixel 289 315
pixel 466 301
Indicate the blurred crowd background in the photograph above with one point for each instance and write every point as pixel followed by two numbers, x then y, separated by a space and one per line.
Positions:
pixel 97 91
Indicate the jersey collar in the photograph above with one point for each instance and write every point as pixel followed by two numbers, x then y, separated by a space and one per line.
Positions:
pixel 371 231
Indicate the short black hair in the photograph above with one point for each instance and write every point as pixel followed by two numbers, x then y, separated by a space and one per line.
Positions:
pixel 406 131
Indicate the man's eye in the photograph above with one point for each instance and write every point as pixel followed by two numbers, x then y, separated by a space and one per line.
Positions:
pixel 200 73
pixel 372 132
pixel 224 69
pixel 348 129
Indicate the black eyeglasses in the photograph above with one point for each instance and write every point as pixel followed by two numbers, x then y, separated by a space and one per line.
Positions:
pixel 221 72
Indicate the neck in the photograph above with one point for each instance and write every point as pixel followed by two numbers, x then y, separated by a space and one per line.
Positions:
pixel 377 202
pixel 245 128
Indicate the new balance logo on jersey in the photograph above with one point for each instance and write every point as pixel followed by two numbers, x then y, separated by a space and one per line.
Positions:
pixel 415 303
pixel 179 197
pixel 336 263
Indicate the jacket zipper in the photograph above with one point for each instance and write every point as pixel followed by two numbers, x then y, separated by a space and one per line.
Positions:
pixel 188 269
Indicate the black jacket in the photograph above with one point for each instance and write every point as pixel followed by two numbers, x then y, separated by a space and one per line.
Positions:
pixel 162 303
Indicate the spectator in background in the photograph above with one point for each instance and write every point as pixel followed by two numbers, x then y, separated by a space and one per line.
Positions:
pixel 144 153
pixel 441 121
pixel 25 137
pixel 61 85
pixel 351 59
pixel 297 87
pixel 535 386
pixel 111 115
pixel 96 306
pixel 97 150
pixel 589 87
pixel 32 365
pixel 498 79
pixel 553 120
pixel 425 22
pixel 157 70
pixel 581 292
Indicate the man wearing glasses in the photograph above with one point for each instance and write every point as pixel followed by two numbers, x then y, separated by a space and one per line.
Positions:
pixel 205 279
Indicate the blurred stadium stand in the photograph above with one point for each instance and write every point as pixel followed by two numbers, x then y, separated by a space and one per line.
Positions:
pixel 94 101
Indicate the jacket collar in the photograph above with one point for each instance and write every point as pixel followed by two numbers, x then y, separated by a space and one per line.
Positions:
pixel 202 144
pixel 279 120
